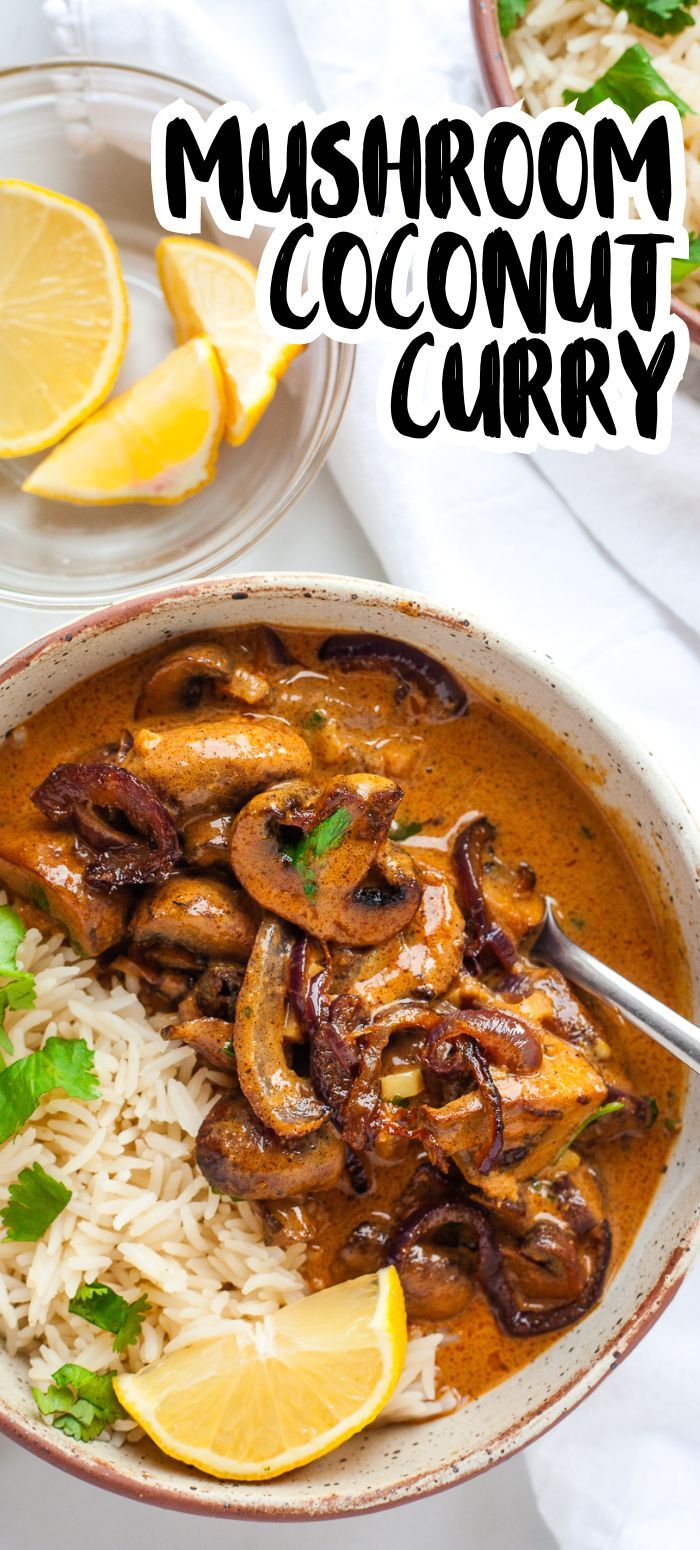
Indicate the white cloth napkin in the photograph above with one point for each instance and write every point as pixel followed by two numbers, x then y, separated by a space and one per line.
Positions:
pixel 594 559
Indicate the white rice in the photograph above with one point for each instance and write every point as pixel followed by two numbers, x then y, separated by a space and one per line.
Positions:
pixel 141 1217
pixel 565 45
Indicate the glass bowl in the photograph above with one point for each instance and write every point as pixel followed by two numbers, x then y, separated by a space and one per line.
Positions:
pixel 84 129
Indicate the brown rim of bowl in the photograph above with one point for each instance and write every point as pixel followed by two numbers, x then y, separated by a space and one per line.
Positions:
pixel 494 73
pixel 528 1427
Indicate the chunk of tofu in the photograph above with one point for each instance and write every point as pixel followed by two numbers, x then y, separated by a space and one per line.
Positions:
pixel 207 766
pixel 541 1111
pixel 41 864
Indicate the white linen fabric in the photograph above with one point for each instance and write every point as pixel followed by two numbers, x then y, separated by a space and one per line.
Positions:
pixel 594 559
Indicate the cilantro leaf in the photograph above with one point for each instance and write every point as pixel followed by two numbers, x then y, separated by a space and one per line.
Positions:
pixel 18 992
pixel 101 1306
pixel 80 1402
pixel 327 835
pixel 682 267
pixel 632 82
pixel 65 1063
pixel 652 1113
pixel 510 12
pixel 12 932
pixel 663 18
pixel 605 1108
pixel 35 1200
pixel 404 829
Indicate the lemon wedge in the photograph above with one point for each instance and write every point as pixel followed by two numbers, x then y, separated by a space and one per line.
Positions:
pixel 63 316
pixel 212 291
pixel 158 442
pixel 279 1392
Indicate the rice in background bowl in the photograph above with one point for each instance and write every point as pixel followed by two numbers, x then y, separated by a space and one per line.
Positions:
pixel 566 45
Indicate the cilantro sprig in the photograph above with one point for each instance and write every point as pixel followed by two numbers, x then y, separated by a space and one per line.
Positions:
pixel 17 987
pixel 662 18
pixel 62 1063
pixel 327 835
pixel 682 267
pixel 35 1200
pixel 404 829
pixel 80 1403
pixel 605 1108
pixel 632 82
pixel 510 12
pixel 105 1308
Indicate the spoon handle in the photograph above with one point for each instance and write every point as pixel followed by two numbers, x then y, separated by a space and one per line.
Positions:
pixel 671 1030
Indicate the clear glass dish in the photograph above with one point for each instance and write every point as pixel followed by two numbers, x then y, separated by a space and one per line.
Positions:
pixel 84 129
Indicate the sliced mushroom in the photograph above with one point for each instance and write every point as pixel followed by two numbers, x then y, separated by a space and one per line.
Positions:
pixel 357 888
pixel 286 1103
pixel 240 1157
pixel 209 1037
pixel 209 766
pixel 41 864
pixel 206 841
pixel 421 960
pixel 437 1282
pixel 202 915
pixel 182 679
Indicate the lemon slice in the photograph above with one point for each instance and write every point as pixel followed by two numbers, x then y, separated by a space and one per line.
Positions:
pixel 63 316
pixel 158 442
pixel 280 1392
pixel 212 291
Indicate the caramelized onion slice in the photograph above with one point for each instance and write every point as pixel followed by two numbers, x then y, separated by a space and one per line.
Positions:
pixel 506 1039
pixel 411 666
pixel 73 792
pixel 466 1059
pixel 468 858
pixel 517 1320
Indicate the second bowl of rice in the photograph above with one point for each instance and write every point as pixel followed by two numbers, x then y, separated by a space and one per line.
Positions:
pixel 558 46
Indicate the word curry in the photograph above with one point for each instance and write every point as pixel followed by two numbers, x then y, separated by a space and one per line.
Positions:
pixel 516 271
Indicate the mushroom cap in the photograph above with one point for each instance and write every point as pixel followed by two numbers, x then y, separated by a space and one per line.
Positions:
pixel 210 766
pixel 204 915
pixel 181 679
pixel 240 1157
pixel 357 889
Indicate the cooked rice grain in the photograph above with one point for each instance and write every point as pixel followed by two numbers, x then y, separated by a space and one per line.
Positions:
pixel 141 1217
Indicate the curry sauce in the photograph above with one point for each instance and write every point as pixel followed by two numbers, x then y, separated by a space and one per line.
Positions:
pixel 251 746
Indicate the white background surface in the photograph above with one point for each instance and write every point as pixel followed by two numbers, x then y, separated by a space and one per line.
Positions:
pixel 40 1507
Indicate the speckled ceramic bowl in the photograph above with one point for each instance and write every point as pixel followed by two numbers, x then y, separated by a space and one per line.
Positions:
pixel 397 1464
pixel 494 69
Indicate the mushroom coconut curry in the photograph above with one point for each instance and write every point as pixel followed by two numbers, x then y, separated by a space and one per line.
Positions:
pixel 321 857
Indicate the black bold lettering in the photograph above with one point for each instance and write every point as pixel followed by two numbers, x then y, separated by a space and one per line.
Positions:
pixel 400 417
pixel 223 159
pixel 647 381
pixel 521 388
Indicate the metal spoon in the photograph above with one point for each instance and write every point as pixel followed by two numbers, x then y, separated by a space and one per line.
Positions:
pixel 553 947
